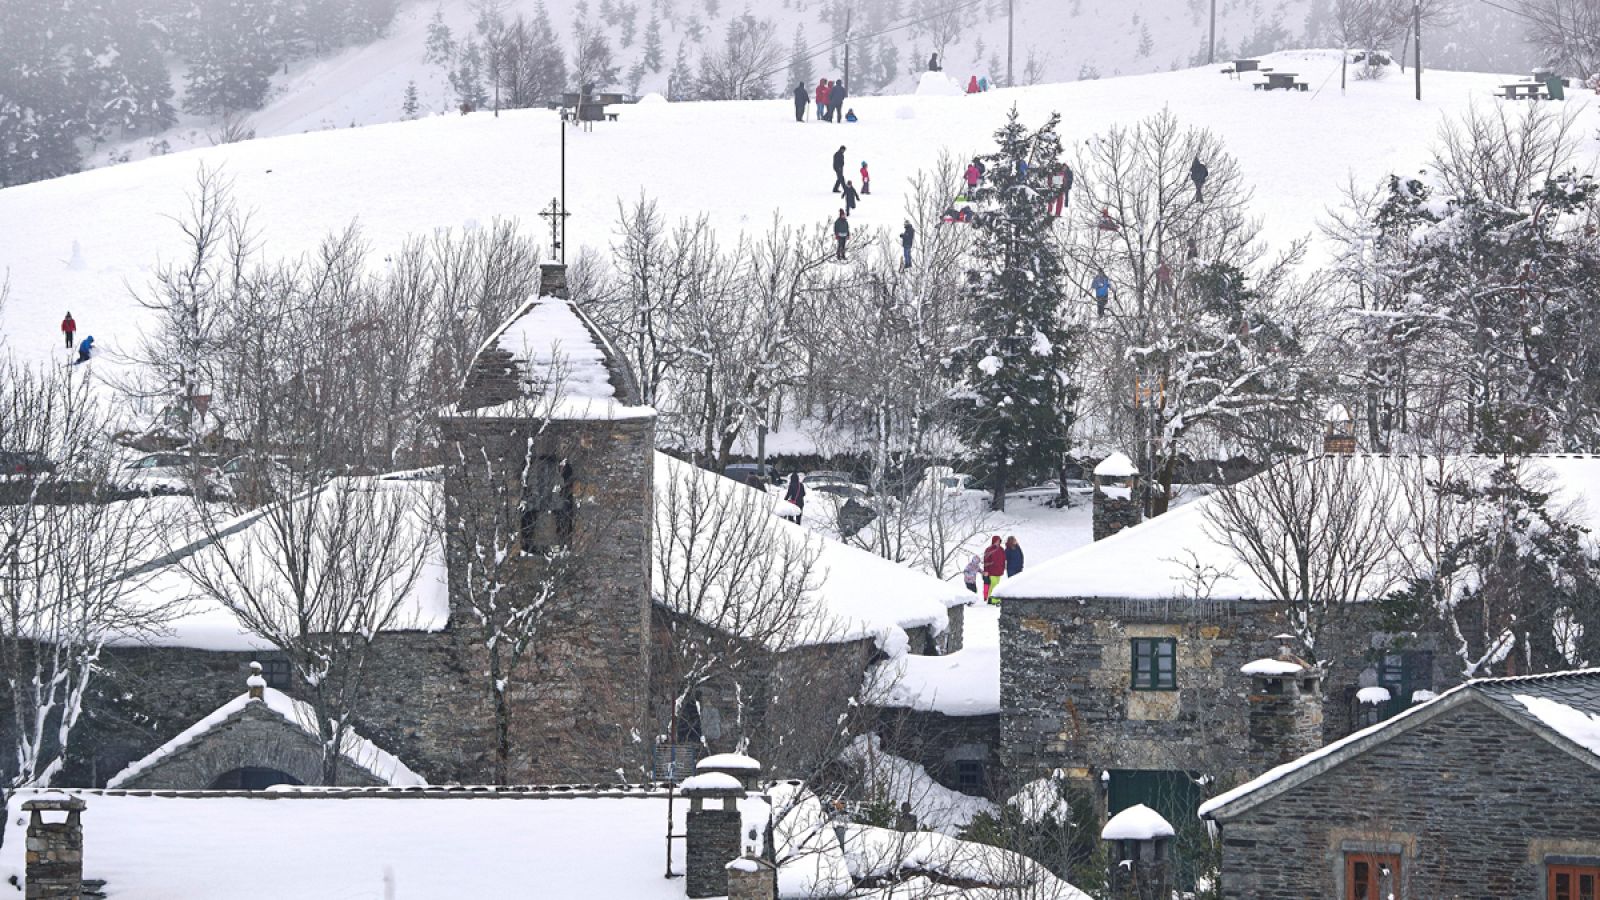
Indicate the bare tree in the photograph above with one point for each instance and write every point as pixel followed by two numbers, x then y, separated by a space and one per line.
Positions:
pixel 1568 31
pixel 67 551
pixel 941 21
pixel 743 67
pixel 1318 533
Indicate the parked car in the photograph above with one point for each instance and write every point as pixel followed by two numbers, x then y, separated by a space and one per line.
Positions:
pixel 171 473
pixel 15 464
pixel 741 472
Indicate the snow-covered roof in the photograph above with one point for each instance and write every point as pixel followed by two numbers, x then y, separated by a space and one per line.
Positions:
pixel 1157 559
pixel 854 594
pixel 898 780
pixel 317 843
pixel 1560 705
pixel 728 762
pixel 1117 465
pixel 565 366
pixel 1136 823
pixel 1041 799
pixel 249 543
pixel 357 750
pixel 963 683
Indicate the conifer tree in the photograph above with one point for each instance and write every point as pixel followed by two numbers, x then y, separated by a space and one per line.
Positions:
pixel 466 79
pixel 681 83
pixel 1015 370
pixel 441 45
pixel 653 51
pixel 409 106
pixel 800 70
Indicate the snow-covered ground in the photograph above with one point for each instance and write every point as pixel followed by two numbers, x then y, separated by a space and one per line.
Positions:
pixel 83 242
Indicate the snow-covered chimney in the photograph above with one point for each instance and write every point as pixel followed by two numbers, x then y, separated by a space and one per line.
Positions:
pixel 1338 430
pixel 1285 708
pixel 256 684
pixel 752 878
pixel 712 831
pixel 1141 858
pixel 1116 504
pixel 54 857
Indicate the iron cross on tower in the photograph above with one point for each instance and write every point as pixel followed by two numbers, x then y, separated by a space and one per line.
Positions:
pixel 557 214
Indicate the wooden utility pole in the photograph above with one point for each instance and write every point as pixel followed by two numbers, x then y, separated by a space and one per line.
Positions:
pixel 1011 30
pixel 1416 40
pixel 848 84
pixel 1211 54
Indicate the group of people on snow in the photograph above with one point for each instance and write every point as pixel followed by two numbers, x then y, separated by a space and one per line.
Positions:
pixel 830 97
pixel 69 328
pixel 994 563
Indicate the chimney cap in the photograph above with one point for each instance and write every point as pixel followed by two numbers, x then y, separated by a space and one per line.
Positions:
pixel 256 684
pixel 52 801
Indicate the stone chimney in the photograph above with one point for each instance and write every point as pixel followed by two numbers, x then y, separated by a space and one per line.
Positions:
pixel 54 857
pixel 752 878
pixel 1338 430
pixel 713 826
pixel 1116 501
pixel 256 684
pixel 1285 709
pixel 1141 854
pixel 553 280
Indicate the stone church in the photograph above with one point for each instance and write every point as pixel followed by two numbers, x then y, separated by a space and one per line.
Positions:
pixel 547 391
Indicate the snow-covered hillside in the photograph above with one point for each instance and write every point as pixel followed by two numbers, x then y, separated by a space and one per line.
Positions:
pixel 1055 41
pixel 80 242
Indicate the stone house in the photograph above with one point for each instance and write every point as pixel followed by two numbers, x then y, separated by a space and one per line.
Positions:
pixel 1488 790
pixel 546 383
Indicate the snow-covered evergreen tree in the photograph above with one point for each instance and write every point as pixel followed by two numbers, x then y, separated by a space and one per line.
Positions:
pixel 441 45
pixel 1017 392
pixel 466 79
pixel 800 69
pixel 410 105
pixel 235 54
pixel 653 51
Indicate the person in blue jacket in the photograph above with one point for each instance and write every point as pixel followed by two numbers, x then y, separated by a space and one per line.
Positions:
pixel 85 349
pixel 1013 557
pixel 1102 292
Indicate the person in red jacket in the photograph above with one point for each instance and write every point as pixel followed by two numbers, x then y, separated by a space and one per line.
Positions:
pixel 972 86
pixel 994 568
pixel 68 326
pixel 822 98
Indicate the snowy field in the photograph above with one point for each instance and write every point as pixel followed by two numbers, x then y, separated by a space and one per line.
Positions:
pixel 82 242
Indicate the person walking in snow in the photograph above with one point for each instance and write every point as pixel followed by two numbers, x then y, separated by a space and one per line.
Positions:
pixel 85 349
pixel 866 179
pixel 1013 556
pixel 838 169
pixel 972 85
pixel 1061 180
pixel 68 327
pixel 796 494
pixel 841 232
pixel 906 237
pixel 1198 173
pixel 850 197
pixel 994 568
pixel 1101 285
pixel 801 98
pixel 972 176
pixel 836 96
pixel 822 98
pixel 972 573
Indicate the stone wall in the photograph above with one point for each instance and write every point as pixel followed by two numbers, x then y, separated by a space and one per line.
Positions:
pixel 1473 803
pixel 1111 514
pixel 1065 679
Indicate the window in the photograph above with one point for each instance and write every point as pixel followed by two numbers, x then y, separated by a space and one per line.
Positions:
pixel 1404 673
pixel 277 673
pixel 1155 663
pixel 1574 882
pixel 546 504
pixel 969 776
pixel 1371 876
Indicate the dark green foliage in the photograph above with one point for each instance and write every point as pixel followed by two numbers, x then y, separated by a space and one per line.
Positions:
pixel 1016 395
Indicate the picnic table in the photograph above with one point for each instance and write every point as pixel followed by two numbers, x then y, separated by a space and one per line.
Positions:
pixel 1281 81
pixel 1525 90
pixel 1246 65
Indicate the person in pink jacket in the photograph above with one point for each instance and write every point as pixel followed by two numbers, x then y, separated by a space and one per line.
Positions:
pixel 972 176
pixel 972 86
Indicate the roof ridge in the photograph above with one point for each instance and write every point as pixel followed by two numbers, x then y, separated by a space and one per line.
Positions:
pixel 1544 676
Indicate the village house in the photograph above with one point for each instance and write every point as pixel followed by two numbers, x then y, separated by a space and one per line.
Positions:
pixel 1488 790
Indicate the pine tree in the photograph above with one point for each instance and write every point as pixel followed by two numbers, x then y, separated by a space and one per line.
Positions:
pixel 653 50
pixel 441 46
pixel 681 83
pixel 550 64
pixel 1016 386
pixel 466 79
pixel 237 52
pixel 409 106
pixel 1147 42
pixel 800 70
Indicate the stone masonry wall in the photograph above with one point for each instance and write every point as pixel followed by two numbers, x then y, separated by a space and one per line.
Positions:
pixel 940 742
pixel 1066 700
pixel 712 841
pixel 1473 803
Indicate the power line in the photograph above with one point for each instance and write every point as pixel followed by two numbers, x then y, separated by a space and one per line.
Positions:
pixel 829 43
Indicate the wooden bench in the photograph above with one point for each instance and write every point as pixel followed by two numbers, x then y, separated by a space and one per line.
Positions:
pixel 1230 73
pixel 611 117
